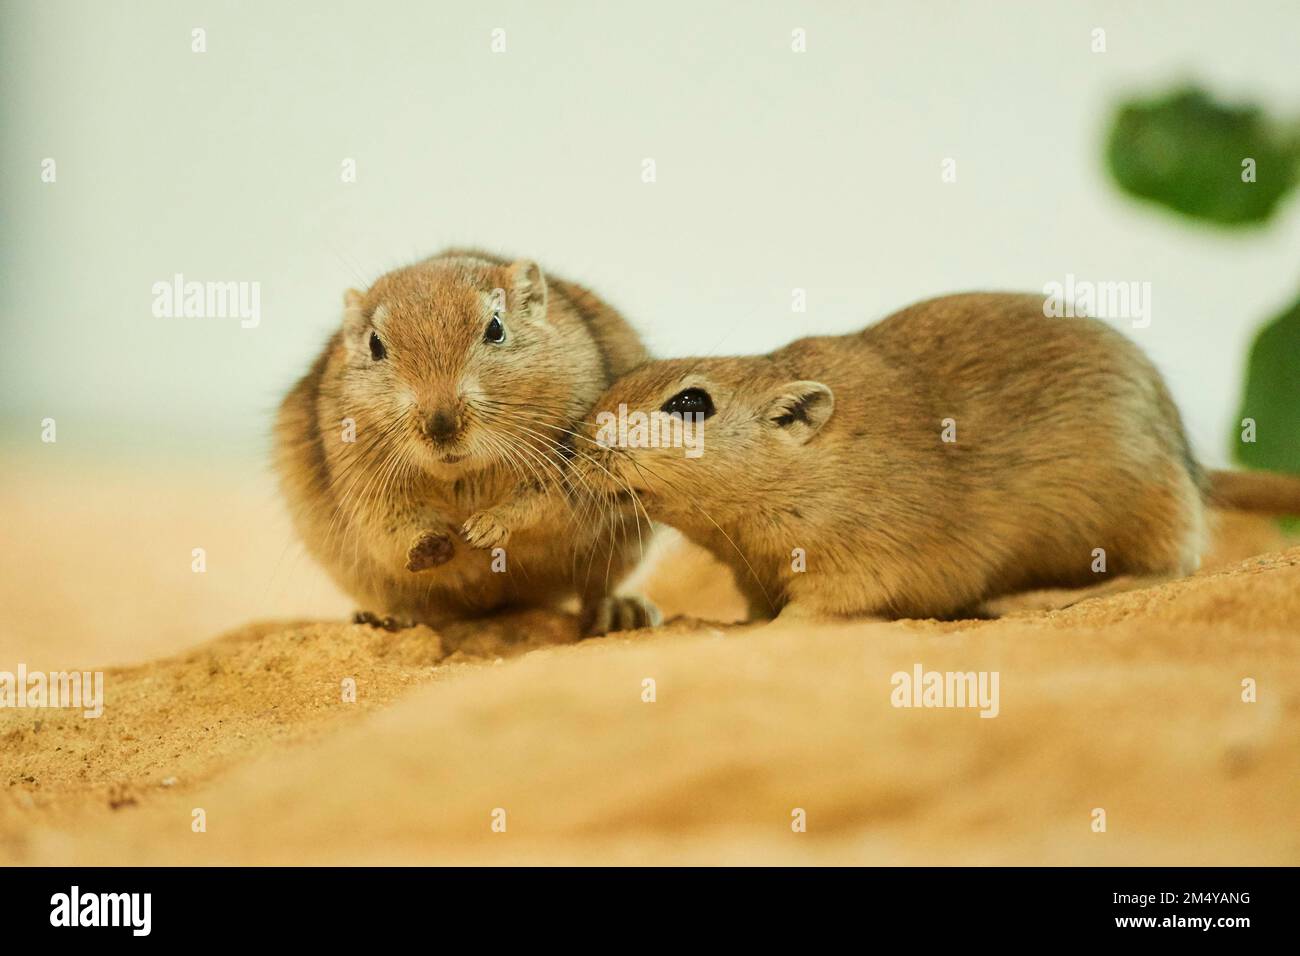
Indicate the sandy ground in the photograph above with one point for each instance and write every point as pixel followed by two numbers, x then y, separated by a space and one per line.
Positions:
pixel 1130 702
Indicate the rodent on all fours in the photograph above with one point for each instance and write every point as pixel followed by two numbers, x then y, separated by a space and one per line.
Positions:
pixel 963 448
pixel 453 387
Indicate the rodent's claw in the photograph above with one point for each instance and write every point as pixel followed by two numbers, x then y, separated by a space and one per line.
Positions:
pixel 430 550
pixel 384 623
pixel 483 530
pixel 619 613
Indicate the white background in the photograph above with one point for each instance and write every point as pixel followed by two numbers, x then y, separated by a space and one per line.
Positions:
pixel 776 170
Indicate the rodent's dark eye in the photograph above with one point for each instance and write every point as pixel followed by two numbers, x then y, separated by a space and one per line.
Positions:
pixel 495 332
pixel 692 401
pixel 377 350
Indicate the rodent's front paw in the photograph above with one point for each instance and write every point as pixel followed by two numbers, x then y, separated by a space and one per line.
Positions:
pixel 430 550
pixel 483 530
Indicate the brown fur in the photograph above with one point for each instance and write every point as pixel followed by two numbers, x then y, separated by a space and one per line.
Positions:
pixel 384 514
pixel 1066 441
pixel 1261 492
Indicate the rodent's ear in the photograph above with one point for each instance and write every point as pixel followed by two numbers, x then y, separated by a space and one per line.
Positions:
pixel 800 409
pixel 529 286
pixel 354 320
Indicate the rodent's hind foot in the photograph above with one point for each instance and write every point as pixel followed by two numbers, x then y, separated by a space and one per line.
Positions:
pixel 429 550
pixel 619 613
pixel 384 623
pixel 484 530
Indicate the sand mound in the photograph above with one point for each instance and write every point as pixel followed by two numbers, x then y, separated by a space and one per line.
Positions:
pixel 1130 702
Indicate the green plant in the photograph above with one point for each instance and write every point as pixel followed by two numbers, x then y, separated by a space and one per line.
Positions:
pixel 1229 166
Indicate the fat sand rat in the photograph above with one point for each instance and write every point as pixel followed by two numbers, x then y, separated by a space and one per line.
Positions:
pixel 454 385
pixel 963 448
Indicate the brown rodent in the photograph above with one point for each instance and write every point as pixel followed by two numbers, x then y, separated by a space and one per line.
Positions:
pixel 451 388
pixel 825 480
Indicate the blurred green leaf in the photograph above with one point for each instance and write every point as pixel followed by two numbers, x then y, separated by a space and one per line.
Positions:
pixel 1272 396
pixel 1185 152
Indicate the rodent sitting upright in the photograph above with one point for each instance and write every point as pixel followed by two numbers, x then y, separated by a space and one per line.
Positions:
pixel 962 448
pixel 453 387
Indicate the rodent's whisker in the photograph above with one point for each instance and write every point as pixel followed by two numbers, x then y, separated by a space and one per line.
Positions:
pixel 565 452
pixel 596 462
pixel 567 477
pixel 357 468
pixel 691 501
pixel 506 454
pixel 544 423
pixel 505 434
pixel 539 455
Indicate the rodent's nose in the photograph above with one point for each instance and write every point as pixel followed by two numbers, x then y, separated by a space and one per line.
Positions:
pixel 442 424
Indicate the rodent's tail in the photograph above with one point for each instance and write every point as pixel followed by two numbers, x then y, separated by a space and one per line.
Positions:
pixel 1267 492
